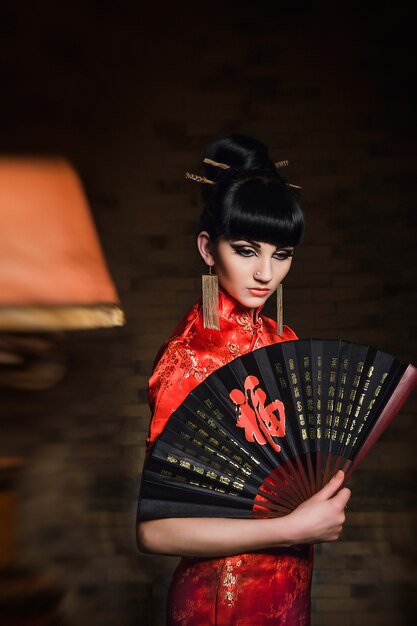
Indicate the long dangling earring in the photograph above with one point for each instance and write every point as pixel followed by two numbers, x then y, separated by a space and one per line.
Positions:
pixel 210 293
pixel 279 310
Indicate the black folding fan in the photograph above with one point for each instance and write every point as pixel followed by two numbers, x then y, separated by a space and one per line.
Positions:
pixel 265 432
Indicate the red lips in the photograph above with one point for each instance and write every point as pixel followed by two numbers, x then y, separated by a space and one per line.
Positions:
pixel 256 291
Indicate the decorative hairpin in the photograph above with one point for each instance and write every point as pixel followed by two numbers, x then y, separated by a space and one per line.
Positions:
pixel 284 163
pixel 198 179
pixel 224 166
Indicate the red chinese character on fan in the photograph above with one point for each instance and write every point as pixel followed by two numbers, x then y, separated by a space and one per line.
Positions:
pixel 261 423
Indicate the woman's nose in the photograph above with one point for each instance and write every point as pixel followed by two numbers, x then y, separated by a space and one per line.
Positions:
pixel 263 272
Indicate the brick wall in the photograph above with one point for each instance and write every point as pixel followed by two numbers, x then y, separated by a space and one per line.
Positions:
pixel 131 97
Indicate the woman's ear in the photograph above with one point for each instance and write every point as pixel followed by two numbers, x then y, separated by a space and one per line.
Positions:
pixel 205 248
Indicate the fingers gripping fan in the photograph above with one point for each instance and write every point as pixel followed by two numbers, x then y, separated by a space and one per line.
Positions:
pixel 265 432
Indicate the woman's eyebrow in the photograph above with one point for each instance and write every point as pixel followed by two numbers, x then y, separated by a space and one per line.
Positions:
pixel 255 244
pixel 258 245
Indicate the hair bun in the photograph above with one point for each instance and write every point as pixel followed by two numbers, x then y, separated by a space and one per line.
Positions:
pixel 238 152
pixel 248 198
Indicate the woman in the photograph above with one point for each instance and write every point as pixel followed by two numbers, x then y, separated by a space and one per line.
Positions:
pixel 237 571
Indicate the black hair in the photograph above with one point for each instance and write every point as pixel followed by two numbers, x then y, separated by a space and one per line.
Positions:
pixel 250 199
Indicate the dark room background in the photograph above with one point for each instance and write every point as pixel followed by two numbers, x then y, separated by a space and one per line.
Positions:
pixel 131 93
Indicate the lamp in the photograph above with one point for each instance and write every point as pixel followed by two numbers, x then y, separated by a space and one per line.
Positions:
pixel 53 274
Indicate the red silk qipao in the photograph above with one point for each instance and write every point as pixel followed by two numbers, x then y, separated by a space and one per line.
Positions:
pixel 267 588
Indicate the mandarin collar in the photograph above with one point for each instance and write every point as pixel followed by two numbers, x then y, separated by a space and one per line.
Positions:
pixel 230 307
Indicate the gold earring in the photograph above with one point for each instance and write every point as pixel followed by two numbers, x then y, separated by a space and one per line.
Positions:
pixel 279 309
pixel 210 296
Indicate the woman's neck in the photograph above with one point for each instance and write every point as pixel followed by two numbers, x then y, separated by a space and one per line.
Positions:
pixel 253 313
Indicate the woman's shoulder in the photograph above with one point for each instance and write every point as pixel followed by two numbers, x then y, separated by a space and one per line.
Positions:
pixel 288 333
pixel 181 334
pixel 175 372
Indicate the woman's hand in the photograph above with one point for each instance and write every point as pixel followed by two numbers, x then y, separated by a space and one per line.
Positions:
pixel 321 517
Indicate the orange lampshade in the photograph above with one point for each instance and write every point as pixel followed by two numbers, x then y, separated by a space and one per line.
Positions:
pixel 53 274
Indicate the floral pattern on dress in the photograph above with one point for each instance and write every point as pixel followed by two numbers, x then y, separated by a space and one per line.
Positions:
pixel 256 589
pixel 230 581
pixel 234 349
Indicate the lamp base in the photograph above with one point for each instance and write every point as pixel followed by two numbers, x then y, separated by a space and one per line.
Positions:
pixel 60 317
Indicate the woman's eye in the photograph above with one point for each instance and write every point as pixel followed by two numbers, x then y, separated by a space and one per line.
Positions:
pixel 244 251
pixel 281 256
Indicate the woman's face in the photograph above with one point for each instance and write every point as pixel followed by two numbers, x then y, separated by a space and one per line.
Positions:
pixel 251 271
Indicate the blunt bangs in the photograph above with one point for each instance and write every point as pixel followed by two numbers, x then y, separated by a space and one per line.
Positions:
pixel 262 209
